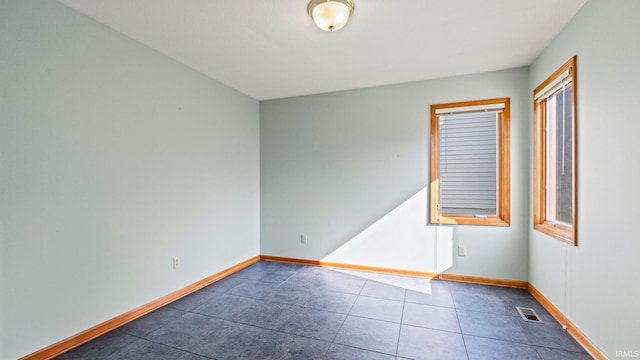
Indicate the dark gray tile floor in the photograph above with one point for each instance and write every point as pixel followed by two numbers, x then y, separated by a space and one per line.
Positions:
pixel 281 311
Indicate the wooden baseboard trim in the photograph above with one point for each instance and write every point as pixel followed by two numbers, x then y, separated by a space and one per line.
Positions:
pixel 571 329
pixel 427 275
pixel 485 281
pixel 101 329
pixel 373 269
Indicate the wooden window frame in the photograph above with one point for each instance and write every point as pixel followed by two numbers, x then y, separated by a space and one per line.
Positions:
pixel 540 223
pixel 504 196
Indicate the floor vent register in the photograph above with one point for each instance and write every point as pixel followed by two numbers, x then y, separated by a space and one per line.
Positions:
pixel 528 314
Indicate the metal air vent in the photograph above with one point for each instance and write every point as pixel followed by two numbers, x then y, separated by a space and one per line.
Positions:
pixel 528 314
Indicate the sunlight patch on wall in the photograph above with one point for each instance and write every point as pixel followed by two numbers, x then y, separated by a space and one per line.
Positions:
pixel 400 240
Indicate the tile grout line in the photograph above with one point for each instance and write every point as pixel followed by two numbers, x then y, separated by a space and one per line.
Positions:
pixel 464 342
pixel 301 306
pixel 347 315
pixel 404 302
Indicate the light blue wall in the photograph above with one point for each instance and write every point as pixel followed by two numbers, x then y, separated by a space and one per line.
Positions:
pixel 595 284
pixel 113 160
pixel 334 165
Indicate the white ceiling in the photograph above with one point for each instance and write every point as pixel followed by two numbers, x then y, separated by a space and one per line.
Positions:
pixel 271 49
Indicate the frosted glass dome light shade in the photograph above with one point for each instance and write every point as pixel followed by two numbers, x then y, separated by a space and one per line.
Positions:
pixel 330 15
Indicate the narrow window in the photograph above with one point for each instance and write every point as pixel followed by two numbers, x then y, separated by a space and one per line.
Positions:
pixel 470 163
pixel 555 154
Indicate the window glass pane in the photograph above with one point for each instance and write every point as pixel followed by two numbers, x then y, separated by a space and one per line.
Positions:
pixel 560 157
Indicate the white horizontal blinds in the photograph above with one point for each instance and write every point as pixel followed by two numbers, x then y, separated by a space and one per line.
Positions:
pixel 468 163
pixel 558 83
pixel 472 108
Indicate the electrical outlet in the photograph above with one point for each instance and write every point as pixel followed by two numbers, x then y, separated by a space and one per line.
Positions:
pixel 303 239
pixel 176 263
pixel 461 251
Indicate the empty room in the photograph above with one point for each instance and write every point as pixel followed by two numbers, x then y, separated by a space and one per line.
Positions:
pixel 323 179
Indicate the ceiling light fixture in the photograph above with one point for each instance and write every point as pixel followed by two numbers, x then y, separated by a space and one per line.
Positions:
pixel 330 15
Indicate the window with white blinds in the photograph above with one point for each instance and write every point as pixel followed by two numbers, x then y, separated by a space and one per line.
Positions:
pixel 554 165
pixel 470 163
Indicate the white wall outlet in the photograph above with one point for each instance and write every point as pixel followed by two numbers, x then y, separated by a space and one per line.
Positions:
pixel 303 239
pixel 176 263
pixel 461 250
